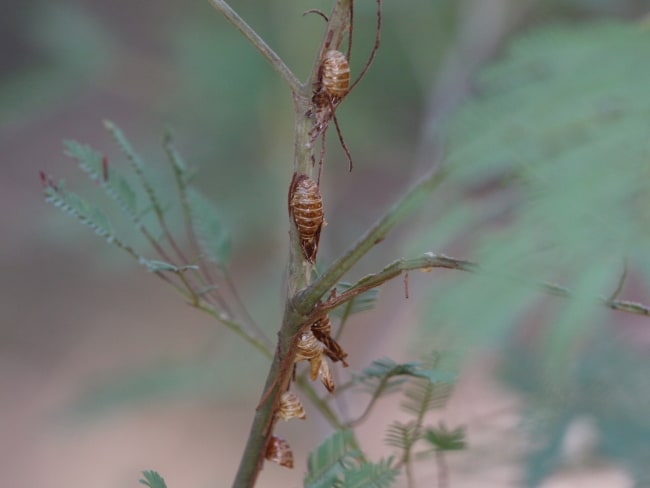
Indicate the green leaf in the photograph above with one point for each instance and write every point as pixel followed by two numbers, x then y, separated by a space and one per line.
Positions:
pixel 213 236
pixel 402 435
pixel 422 394
pixel 360 303
pixel 73 205
pixel 443 439
pixel 125 146
pixel 153 480
pixel 112 182
pixel 385 375
pixel 328 462
pixel 370 475
pixel 178 163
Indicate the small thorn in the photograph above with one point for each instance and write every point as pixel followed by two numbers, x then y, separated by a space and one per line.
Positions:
pixel 44 179
pixel 317 12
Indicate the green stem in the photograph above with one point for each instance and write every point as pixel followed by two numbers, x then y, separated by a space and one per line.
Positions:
pixel 280 372
pixel 259 44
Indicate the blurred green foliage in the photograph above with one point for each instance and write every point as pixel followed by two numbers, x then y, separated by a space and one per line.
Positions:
pixel 557 139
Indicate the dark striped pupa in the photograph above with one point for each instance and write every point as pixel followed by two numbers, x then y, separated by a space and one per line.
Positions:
pixel 279 451
pixel 306 208
pixel 322 330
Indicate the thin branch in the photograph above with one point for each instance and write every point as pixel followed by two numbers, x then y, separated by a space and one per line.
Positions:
pixel 298 275
pixel 428 261
pixel 259 44
pixel 373 400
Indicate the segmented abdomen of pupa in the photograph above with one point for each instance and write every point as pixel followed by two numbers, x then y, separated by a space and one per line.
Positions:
pixel 306 207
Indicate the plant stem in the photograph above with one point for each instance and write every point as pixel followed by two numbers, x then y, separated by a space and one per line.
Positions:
pixel 270 55
pixel 299 270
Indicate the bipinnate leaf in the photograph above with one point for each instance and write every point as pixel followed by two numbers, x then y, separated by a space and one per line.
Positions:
pixel 72 204
pixel 384 375
pixel 370 475
pixel 213 236
pixel 153 480
pixel 125 146
pixel 138 167
pixel 328 462
pixel 180 167
pixel 98 169
pixel 443 439
pixel 402 435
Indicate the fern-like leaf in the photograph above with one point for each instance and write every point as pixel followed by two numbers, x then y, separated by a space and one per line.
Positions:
pixel 443 439
pixel 112 182
pixel 213 235
pixel 180 167
pixel 402 435
pixel 370 475
pixel 153 480
pixel 329 461
pixel 72 204
pixel 425 392
pixel 360 303
pixel 138 167
pixel 387 370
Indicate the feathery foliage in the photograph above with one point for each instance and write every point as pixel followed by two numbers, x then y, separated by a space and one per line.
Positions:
pixel 330 460
pixel 336 462
pixel 153 480
pixel 72 204
pixel 370 475
pixel 443 439
pixel 557 139
pixel 382 374
pixel 213 235
pixel 112 182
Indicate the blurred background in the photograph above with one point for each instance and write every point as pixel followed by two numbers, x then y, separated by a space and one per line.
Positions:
pixel 104 371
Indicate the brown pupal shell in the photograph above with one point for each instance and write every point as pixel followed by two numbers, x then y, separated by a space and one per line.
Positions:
pixel 279 451
pixel 335 73
pixel 326 376
pixel 308 347
pixel 322 330
pixel 290 407
pixel 322 327
pixel 306 208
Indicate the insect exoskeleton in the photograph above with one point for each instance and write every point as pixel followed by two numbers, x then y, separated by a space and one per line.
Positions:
pixel 322 330
pixel 326 376
pixel 306 208
pixel 291 407
pixel 335 73
pixel 310 349
pixel 279 451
